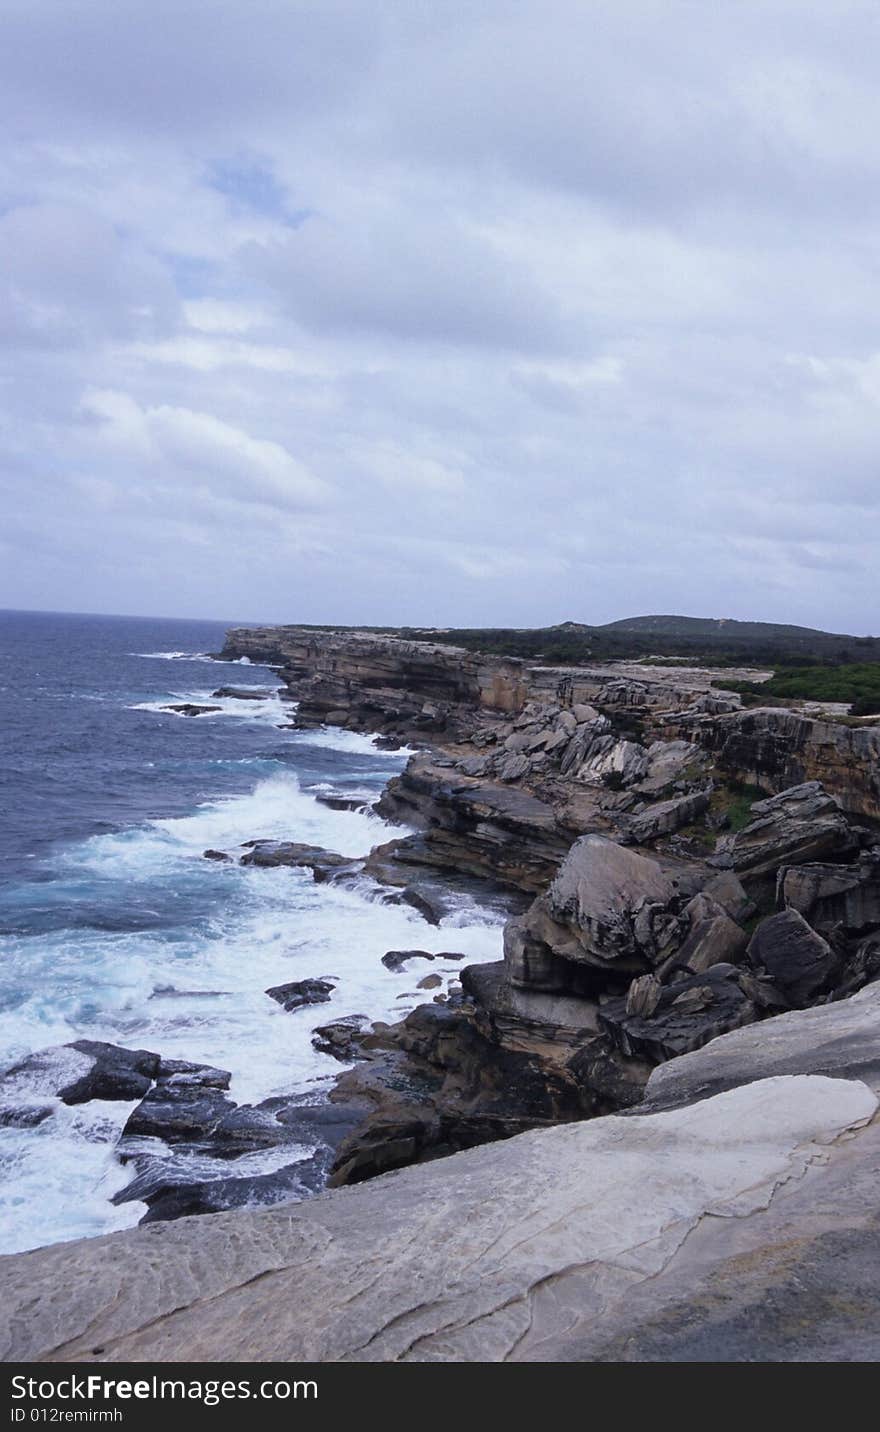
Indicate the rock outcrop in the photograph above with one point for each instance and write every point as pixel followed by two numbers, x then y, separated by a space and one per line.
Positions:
pixel 662 1237
pixel 775 749
pixel 799 825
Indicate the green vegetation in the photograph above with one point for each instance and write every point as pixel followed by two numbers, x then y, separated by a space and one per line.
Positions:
pixel 689 640
pixel 738 807
pixel 854 682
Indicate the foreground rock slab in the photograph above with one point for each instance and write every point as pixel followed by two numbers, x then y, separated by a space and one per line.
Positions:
pixel 581 1242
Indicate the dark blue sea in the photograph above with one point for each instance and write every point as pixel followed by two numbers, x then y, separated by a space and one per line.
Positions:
pixel 114 926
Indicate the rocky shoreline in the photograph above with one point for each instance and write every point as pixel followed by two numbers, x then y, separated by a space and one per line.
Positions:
pixel 681 875
pixel 690 872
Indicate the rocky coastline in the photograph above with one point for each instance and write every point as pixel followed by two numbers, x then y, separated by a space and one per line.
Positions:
pixel 692 887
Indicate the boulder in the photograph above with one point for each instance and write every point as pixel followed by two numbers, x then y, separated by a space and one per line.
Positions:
pixel 341 1038
pixel 712 937
pixel 298 993
pixel 620 762
pixel 800 825
pixel 608 907
pixel 727 890
pixel 834 895
pixel 799 963
pixel 666 817
pixel 678 1017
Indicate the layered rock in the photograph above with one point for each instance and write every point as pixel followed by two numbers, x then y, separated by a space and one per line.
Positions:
pixel 800 825
pixel 832 896
pixel 775 749
pixel 473 826
pixel 665 1236
pixel 372 682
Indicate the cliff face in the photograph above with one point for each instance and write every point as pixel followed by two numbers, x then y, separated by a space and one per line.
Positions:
pixel 370 682
pixel 774 749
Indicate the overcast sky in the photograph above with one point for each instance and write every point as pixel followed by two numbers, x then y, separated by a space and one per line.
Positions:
pixel 433 312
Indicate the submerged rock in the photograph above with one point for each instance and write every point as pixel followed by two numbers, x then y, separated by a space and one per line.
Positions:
pixel 298 993
pixel 191 708
pixel 341 1038
pixel 244 693
pixel 271 853
pixel 84 1070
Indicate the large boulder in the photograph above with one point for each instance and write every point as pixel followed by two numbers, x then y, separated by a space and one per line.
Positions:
pixel 830 895
pixel 799 963
pixel 798 825
pixel 610 908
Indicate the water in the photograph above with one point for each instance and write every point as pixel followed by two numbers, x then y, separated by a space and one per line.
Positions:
pixel 112 924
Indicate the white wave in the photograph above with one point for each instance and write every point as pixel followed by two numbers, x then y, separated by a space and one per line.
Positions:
pixel 204 656
pixel 337 738
pixel 198 992
pixel 59 1177
pixel 174 655
pixel 271 708
pixel 277 809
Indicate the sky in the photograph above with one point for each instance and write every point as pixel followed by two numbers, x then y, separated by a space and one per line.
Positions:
pixel 443 312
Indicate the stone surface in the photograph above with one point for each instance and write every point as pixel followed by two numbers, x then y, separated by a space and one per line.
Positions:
pixel 801 965
pixel 78 1072
pixel 799 825
pixel 619 1238
pixel 297 993
pixel 841 1040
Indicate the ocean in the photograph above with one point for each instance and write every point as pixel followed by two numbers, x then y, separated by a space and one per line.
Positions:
pixel 113 925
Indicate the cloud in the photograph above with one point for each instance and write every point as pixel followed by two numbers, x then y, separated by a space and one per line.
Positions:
pixel 386 268
pixel 67 278
pixel 440 314
pixel 215 452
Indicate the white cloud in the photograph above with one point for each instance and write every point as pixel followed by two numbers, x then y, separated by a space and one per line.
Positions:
pixel 446 314
pixel 217 453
